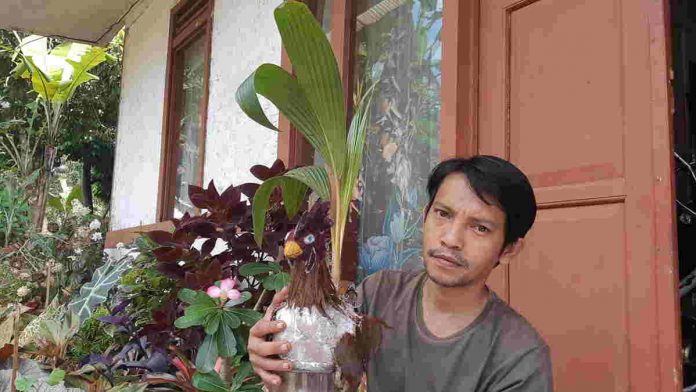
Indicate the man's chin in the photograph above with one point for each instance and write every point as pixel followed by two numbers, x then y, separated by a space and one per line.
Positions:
pixel 443 279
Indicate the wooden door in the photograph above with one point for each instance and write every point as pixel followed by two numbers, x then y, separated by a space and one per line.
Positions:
pixel 575 92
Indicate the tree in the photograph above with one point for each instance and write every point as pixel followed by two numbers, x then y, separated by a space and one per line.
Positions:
pixel 55 74
pixel 91 118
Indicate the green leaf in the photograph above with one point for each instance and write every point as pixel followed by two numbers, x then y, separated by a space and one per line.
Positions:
pixel 129 387
pixel 252 269
pixel 226 343
pixel 248 316
pixel 244 371
pixel 356 147
pixel 314 64
pixel 187 295
pixel 315 177
pixel 209 382
pixel 293 195
pixel 56 376
pixel 207 354
pixel 75 194
pixel 200 310
pixel 24 383
pixel 276 282
pixel 250 388
pixel 211 326
pixel 283 90
pixel 96 291
pixel 187 321
pixel 230 320
pixel 56 203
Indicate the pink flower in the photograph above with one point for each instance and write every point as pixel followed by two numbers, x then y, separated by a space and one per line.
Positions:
pixel 225 290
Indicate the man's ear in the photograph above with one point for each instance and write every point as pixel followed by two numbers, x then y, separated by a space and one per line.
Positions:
pixel 510 251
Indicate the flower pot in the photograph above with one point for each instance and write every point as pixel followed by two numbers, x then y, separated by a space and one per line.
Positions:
pixel 313 337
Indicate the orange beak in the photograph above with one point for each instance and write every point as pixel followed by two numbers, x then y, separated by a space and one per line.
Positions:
pixel 292 249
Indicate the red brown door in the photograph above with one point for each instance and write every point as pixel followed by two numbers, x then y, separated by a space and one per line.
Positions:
pixel 575 93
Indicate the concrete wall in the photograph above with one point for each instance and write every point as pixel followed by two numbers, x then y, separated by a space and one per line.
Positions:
pixel 136 167
pixel 244 36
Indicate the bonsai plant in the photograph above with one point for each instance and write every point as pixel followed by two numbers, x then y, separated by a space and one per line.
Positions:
pixel 312 99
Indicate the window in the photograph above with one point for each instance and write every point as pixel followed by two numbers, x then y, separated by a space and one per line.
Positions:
pixel 183 142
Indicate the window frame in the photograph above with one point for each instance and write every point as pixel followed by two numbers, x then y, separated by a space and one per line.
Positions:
pixel 199 24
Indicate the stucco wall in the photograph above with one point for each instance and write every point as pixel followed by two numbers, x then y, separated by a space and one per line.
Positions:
pixel 136 167
pixel 244 36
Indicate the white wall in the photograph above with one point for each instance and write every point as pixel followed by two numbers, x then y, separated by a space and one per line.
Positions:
pixel 244 36
pixel 136 167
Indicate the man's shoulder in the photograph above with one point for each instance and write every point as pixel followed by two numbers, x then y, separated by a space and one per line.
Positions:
pixel 392 280
pixel 513 332
pixel 388 288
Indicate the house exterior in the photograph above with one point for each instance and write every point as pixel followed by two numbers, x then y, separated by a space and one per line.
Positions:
pixel 575 92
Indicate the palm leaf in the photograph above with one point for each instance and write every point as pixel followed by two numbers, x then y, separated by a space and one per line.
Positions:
pixel 315 65
pixel 279 87
pixel 293 195
pixel 315 177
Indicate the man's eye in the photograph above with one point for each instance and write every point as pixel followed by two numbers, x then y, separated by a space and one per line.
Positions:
pixel 482 229
pixel 441 213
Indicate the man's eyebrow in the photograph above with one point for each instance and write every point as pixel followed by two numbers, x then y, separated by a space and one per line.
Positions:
pixel 441 206
pixel 485 221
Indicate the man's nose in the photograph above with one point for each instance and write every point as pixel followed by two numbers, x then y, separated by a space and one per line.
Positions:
pixel 452 237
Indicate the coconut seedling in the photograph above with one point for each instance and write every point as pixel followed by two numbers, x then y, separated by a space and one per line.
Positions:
pixel 312 98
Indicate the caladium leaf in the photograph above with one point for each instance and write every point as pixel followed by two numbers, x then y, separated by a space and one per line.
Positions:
pixel 97 290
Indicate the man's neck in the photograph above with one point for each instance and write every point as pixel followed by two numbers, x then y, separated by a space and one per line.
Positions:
pixel 454 300
pixel 448 310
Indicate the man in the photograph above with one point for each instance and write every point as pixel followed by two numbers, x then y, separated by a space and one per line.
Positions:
pixel 448 332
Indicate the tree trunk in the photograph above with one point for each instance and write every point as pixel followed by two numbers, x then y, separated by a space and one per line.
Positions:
pixel 44 183
pixel 87 197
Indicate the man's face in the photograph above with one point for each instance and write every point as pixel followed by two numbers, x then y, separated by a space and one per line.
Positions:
pixel 462 235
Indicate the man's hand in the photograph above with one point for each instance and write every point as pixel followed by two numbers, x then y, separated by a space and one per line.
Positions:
pixel 260 350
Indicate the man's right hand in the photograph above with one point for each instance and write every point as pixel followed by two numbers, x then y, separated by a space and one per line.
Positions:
pixel 261 350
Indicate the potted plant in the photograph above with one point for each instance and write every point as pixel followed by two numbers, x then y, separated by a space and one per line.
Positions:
pixel 312 99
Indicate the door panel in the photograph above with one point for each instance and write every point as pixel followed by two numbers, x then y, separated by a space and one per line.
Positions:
pixel 572 91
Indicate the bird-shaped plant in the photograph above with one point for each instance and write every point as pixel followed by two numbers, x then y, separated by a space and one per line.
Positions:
pixel 306 248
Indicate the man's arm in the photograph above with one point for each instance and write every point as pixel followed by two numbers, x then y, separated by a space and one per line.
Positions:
pixel 530 372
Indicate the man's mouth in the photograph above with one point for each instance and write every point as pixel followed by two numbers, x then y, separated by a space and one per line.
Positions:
pixel 447 258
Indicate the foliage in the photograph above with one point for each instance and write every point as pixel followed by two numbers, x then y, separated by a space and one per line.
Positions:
pixel 90 125
pixel 96 291
pixel 93 337
pixel 312 99
pixel 14 207
pixel 219 317
pixel 225 224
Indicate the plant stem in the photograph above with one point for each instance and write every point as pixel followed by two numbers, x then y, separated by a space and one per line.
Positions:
pixel 15 348
pixel 48 282
pixel 225 370
pixel 262 299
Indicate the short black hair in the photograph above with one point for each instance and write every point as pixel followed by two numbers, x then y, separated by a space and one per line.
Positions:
pixel 496 182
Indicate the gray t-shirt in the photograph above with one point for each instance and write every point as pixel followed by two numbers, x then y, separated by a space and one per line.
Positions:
pixel 498 352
